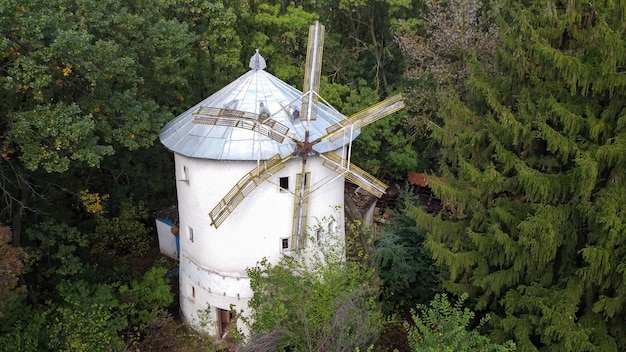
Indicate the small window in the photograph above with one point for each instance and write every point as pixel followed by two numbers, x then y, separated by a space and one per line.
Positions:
pixel 283 182
pixel 284 244
pixel 190 234
pixel 193 293
pixel 185 175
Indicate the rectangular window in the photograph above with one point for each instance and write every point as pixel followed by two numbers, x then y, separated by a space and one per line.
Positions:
pixel 185 174
pixel 284 244
pixel 283 182
pixel 190 234
pixel 193 293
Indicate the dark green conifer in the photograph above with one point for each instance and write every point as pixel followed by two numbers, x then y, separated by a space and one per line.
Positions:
pixel 534 161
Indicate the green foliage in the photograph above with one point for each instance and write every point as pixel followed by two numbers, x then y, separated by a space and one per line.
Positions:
pixel 75 81
pixel 87 319
pixel 313 301
pixel 214 42
pixel 146 297
pixel 384 147
pixel 11 265
pixel 23 328
pixel 57 252
pixel 86 309
pixel 86 87
pixel 121 238
pixel 441 326
pixel 365 41
pixel 86 316
pixel 404 265
pixel 54 135
pixel 83 83
pixel 437 49
pixel 533 157
pixel 280 34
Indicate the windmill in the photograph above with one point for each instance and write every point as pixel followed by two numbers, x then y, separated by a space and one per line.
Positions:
pixel 303 146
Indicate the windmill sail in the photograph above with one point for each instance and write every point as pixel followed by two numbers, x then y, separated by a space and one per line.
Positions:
pixel 300 210
pixel 312 72
pixel 354 174
pixel 246 185
pixel 367 116
pixel 241 119
pixel 263 124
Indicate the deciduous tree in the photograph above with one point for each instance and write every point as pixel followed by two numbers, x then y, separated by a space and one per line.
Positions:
pixel 437 49
pixel 11 265
pixel 316 302
pixel 441 326
pixel 81 81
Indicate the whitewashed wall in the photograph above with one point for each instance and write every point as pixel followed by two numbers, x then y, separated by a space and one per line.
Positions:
pixel 213 265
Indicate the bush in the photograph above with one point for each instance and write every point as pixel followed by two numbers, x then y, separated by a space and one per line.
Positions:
pixel 443 327
pixel 314 302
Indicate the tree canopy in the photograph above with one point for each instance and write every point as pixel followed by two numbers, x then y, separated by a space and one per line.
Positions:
pixel 517 108
pixel 316 300
pixel 533 161
pixel 87 86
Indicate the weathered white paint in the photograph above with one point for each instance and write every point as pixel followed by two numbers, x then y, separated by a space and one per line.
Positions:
pixel 213 265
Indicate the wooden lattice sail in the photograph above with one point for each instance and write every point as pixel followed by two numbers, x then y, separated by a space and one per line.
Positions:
pixel 263 123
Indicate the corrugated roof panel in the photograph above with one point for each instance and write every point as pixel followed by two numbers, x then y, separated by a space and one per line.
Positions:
pixel 258 92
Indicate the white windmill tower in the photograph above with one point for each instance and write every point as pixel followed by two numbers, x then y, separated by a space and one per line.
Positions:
pixel 254 162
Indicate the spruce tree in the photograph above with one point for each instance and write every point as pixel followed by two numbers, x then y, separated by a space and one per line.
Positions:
pixel 533 173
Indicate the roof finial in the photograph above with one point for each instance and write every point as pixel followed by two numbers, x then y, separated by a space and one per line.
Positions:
pixel 257 62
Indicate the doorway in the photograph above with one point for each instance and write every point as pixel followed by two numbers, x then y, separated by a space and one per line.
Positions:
pixel 225 322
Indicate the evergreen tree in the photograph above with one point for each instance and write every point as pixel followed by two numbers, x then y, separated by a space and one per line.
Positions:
pixel 534 161
pixel 406 269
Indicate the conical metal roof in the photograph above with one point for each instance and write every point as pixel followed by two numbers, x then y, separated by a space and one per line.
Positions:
pixel 258 92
